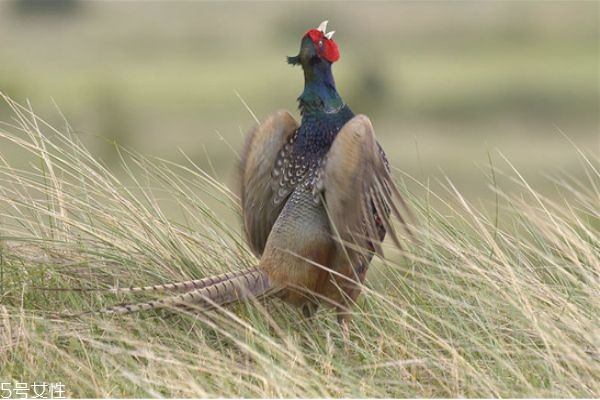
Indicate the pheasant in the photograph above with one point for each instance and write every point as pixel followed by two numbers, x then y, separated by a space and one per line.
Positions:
pixel 317 200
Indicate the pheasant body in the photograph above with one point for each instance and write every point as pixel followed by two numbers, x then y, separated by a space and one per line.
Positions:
pixel 316 199
pixel 301 240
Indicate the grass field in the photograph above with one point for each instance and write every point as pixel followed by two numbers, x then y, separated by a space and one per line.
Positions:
pixel 488 112
pixel 499 302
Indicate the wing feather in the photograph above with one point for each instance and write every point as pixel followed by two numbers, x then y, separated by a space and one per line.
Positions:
pixel 357 187
pixel 261 152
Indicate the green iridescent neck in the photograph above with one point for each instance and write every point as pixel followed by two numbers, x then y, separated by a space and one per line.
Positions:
pixel 319 93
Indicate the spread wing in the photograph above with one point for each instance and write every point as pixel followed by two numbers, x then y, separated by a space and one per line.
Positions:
pixel 263 148
pixel 358 189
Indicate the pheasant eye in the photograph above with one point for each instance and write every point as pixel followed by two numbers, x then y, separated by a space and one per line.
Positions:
pixel 320 43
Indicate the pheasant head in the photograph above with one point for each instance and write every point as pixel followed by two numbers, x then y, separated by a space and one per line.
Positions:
pixel 317 45
pixel 317 53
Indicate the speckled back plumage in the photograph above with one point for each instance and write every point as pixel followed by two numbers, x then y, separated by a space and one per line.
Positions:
pixel 300 158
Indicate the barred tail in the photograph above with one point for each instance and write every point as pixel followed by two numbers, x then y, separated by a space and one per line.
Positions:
pixel 225 289
pixel 185 286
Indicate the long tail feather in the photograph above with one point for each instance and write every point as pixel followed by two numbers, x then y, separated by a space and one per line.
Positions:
pixel 184 286
pixel 225 289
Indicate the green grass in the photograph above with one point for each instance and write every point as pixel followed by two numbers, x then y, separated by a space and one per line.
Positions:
pixel 496 300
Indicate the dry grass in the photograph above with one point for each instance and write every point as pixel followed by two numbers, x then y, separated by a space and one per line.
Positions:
pixel 490 303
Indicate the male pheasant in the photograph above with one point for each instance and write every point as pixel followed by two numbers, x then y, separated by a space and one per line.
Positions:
pixel 316 199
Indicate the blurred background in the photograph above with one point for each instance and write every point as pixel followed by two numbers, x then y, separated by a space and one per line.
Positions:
pixel 445 83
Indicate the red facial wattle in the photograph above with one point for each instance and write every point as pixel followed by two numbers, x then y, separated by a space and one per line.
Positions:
pixel 324 46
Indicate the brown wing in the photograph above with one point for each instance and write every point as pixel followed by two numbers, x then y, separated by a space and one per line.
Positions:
pixel 262 149
pixel 358 189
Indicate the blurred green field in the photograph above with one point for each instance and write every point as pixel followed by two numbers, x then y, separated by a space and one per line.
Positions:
pixel 444 83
